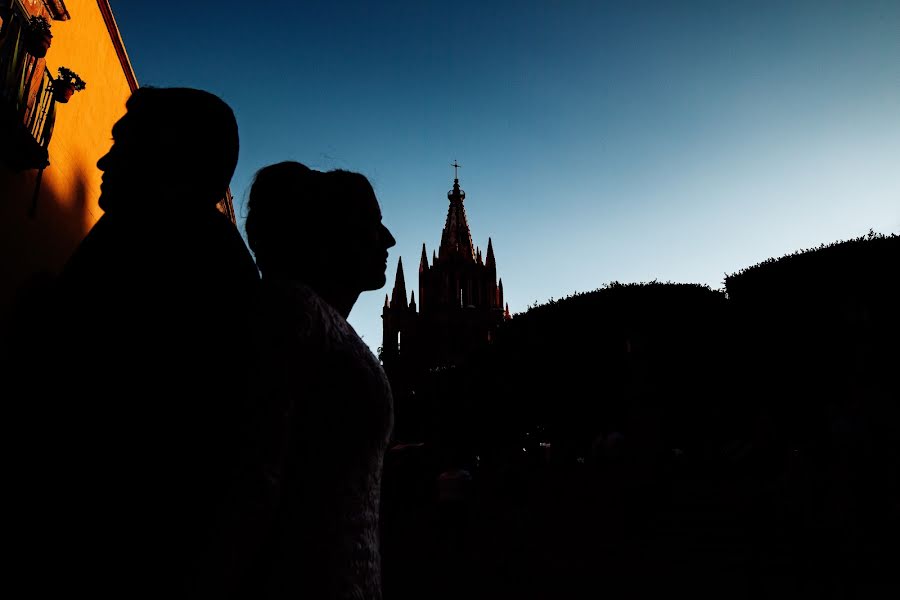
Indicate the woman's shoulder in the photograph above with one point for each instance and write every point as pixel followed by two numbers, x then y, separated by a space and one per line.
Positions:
pixel 287 309
pixel 290 293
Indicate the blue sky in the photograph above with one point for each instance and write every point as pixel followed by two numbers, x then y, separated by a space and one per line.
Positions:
pixel 600 141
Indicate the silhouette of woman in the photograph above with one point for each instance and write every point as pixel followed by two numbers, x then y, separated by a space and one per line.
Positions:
pixel 323 402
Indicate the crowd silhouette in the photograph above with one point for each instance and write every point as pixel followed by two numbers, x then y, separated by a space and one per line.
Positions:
pixel 632 441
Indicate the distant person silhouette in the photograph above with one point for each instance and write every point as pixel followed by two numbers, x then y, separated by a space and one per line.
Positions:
pixel 325 406
pixel 153 307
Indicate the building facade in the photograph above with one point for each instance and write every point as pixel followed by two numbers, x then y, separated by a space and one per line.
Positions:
pixel 50 141
pixel 49 181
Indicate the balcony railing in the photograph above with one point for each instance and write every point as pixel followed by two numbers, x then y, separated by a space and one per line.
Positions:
pixel 43 111
pixel 27 105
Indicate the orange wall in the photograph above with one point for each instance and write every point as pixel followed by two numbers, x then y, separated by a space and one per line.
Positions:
pixel 67 205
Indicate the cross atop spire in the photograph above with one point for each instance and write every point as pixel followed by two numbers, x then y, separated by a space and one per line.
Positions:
pixel 456 167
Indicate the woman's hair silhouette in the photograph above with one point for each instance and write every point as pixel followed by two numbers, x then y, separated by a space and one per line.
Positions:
pixel 323 229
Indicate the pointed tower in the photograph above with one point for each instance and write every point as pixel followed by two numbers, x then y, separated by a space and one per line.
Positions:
pixel 398 298
pixel 397 320
pixel 456 239
pixel 490 277
pixel 423 272
pixel 490 262
pixel 423 262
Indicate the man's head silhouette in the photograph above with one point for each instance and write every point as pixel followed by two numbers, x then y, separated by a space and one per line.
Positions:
pixel 177 143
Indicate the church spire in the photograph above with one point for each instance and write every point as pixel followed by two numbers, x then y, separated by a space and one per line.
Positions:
pixel 423 262
pixel 489 262
pixel 412 302
pixel 500 293
pixel 398 298
pixel 456 238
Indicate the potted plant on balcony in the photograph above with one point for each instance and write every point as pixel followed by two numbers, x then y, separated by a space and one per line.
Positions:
pixel 37 36
pixel 67 84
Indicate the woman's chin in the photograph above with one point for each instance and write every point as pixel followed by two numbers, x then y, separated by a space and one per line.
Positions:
pixel 376 282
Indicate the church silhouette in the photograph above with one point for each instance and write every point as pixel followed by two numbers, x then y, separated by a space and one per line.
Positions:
pixel 460 305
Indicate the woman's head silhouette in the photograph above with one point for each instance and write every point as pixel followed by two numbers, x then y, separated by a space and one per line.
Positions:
pixel 323 229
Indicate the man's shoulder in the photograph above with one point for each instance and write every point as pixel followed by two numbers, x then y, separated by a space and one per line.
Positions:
pixel 123 246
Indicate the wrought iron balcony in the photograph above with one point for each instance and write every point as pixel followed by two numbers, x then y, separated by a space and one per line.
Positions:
pixel 27 104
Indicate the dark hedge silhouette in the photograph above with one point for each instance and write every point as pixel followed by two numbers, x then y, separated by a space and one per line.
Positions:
pixel 661 437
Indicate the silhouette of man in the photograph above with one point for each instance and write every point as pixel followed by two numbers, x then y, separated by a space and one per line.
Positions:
pixel 153 303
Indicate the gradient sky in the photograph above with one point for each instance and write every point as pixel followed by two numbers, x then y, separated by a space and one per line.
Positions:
pixel 599 141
